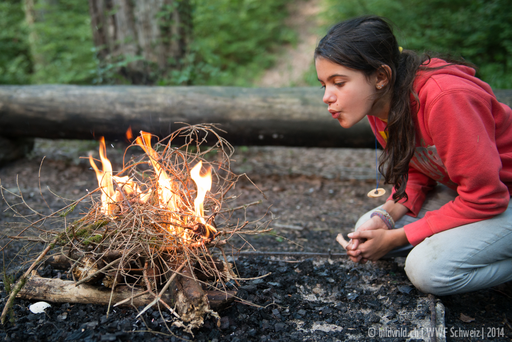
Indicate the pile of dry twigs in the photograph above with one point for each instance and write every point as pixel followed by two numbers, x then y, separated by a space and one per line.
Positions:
pixel 147 237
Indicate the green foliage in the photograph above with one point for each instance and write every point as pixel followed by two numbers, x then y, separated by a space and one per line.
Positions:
pixel 92 239
pixel 478 30
pixel 15 63
pixel 64 43
pixel 233 41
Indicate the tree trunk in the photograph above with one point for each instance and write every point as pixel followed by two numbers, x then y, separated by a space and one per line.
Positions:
pixel 33 38
pixel 250 116
pixel 148 36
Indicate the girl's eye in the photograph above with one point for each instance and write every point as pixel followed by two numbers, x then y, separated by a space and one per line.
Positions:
pixel 322 87
pixel 339 84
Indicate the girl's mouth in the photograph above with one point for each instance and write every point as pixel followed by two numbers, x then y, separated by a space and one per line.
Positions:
pixel 334 114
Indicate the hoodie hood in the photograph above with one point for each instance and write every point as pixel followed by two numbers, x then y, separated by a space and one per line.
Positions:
pixel 438 68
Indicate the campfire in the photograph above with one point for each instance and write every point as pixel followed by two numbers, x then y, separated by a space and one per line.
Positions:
pixel 153 235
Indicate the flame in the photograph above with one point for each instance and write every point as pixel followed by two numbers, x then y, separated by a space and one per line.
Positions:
pixel 129 134
pixel 104 178
pixel 204 184
pixel 166 189
pixel 116 190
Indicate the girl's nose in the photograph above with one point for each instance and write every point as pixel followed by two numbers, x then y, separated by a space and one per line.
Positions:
pixel 329 97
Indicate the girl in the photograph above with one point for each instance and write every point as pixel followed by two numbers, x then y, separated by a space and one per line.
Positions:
pixel 447 151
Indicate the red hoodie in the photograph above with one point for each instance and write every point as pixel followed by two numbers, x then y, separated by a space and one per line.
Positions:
pixel 463 140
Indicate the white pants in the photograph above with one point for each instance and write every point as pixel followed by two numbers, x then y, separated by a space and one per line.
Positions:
pixel 462 259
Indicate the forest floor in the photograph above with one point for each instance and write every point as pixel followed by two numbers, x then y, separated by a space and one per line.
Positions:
pixel 308 196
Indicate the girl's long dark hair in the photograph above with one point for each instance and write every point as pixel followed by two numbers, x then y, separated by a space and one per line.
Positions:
pixel 365 44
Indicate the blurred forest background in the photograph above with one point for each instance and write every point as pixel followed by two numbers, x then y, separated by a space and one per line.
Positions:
pixel 224 42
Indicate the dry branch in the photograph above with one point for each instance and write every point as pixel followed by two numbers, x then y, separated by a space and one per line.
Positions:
pixel 65 291
pixel 20 283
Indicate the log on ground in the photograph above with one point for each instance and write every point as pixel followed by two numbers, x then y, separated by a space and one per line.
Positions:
pixel 66 291
pixel 250 116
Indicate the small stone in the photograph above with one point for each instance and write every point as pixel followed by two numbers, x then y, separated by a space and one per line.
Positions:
pixel 274 284
pixel 405 289
pixel 92 324
pixel 264 325
pixel 279 327
pixel 108 337
pixel 32 317
pixel 249 288
pixel 224 323
pixel 352 296
pixel 257 281
pixel 62 316
pixel 373 318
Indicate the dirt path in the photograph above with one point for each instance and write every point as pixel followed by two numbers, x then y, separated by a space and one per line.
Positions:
pixel 295 61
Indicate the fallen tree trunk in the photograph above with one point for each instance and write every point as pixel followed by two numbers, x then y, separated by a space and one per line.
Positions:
pixel 250 116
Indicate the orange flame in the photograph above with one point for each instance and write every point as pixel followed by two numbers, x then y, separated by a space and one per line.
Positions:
pixel 129 134
pixel 204 184
pixel 166 190
pixel 104 178
pixel 116 189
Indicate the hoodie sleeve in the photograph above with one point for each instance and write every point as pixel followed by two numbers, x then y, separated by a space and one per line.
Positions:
pixel 462 127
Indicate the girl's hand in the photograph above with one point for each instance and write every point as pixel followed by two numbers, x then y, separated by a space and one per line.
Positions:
pixel 376 243
pixel 372 224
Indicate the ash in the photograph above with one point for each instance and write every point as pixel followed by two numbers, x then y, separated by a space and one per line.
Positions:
pixel 312 194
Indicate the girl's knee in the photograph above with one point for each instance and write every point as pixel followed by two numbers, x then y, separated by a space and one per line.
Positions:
pixel 427 275
pixel 418 273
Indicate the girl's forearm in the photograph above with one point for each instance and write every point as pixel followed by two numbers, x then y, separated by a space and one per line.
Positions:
pixel 396 210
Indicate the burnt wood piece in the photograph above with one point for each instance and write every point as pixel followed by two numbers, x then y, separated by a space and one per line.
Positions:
pixel 191 301
pixel 220 299
pixel 60 262
pixel 250 116
pixel 87 270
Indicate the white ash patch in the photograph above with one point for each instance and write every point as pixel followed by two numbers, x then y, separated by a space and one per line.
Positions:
pixel 317 326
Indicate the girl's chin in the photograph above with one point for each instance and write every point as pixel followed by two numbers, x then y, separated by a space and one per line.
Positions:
pixel 349 123
pixel 345 124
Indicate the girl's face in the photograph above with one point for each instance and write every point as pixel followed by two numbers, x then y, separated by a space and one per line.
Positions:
pixel 349 93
